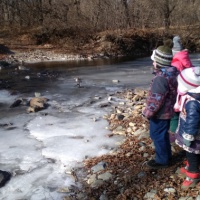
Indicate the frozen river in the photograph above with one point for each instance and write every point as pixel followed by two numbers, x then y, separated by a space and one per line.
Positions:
pixel 39 148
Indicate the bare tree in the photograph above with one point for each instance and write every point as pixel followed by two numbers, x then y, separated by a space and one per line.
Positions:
pixel 165 10
pixel 98 15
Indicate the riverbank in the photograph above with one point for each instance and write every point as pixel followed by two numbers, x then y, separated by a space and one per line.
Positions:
pixel 25 46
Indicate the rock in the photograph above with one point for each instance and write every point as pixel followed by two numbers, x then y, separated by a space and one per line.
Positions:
pixel 136 98
pixel 4 177
pixel 150 195
pixel 138 132
pixel 140 92
pixel 99 167
pixel 37 94
pixel 198 197
pixel 105 176
pixel 112 116
pixel 20 67
pixel 142 144
pixel 170 190
pixel 97 97
pixel 16 103
pixel 132 124
pixel 115 81
pixel 103 197
pixel 120 117
pixel 141 174
pixel 145 155
pixel 64 190
pixel 103 105
pixel 37 103
pixel 137 107
pixel 27 77
pixel 187 198
pixel 129 130
pixel 97 183
pixel 129 154
pixel 81 196
pixel 118 111
pixel 30 109
pixel 143 134
pixel 109 98
pixel 142 148
pixel 94 119
pixel 92 179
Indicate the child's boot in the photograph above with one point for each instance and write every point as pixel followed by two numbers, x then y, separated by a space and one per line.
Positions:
pixel 182 171
pixel 191 180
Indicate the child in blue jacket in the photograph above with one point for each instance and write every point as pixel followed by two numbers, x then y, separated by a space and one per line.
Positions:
pixel 188 131
pixel 159 105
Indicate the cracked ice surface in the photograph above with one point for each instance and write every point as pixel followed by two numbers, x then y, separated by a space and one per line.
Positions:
pixel 38 148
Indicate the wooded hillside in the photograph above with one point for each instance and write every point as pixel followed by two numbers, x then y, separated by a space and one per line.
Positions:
pixel 74 23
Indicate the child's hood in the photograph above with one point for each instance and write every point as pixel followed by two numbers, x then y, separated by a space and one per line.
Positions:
pixel 182 57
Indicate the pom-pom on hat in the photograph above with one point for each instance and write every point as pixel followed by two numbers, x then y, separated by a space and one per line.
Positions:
pixel 162 56
pixel 188 80
pixel 177 45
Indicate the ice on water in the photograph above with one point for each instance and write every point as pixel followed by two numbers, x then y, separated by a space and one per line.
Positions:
pixel 38 148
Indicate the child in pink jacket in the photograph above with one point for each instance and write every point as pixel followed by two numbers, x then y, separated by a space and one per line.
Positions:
pixel 181 61
pixel 181 58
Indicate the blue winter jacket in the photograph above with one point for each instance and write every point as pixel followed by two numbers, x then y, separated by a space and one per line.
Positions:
pixel 189 125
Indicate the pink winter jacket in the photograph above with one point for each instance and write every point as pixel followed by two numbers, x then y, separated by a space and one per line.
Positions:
pixel 181 60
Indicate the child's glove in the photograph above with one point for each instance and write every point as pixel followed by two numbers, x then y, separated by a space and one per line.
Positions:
pixel 187 142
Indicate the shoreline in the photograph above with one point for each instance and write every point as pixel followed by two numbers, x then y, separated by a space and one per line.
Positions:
pixel 20 57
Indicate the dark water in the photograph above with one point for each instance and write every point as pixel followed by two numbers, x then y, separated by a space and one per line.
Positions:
pixel 42 75
pixel 111 62
pixel 75 64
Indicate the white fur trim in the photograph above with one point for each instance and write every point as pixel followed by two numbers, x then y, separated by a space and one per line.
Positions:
pixel 153 55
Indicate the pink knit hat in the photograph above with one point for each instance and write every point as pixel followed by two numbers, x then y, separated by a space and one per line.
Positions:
pixel 188 79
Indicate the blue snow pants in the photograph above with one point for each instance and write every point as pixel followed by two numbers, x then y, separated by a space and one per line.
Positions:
pixel 160 137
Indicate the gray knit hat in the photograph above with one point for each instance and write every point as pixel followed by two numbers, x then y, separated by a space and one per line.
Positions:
pixel 163 56
pixel 177 45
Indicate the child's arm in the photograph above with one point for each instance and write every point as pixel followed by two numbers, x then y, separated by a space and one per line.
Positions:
pixel 156 98
pixel 191 126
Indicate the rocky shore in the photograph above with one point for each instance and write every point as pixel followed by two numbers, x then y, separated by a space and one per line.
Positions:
pixel 123 174
pixel 41 56
pixel 19 59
